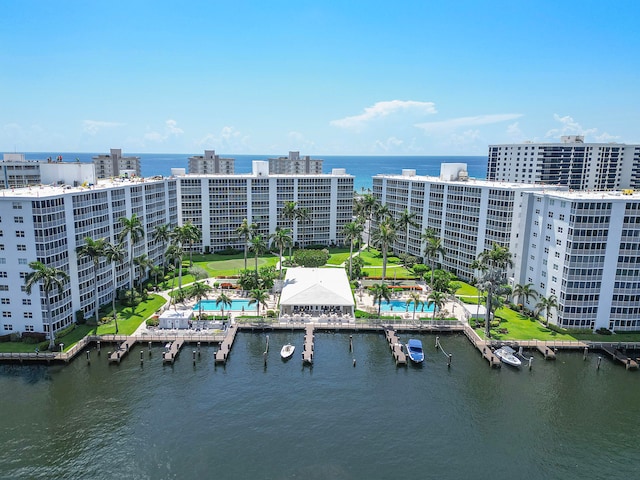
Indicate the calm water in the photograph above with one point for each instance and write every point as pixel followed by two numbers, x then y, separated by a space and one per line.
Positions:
pixel 362 167
pixel 563 419
pixel 235 305
pixel 401 306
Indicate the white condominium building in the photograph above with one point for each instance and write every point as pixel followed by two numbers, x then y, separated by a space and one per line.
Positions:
pixel 210 163
pixel 16 172
pixel 468 215
pixel 115 165
pixel 578 165
pixel 584 248
pixel 294 164
pixel 218 204
pixel 48 223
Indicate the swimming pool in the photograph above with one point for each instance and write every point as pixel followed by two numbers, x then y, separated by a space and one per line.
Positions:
pixel 236 304
pixel 400 306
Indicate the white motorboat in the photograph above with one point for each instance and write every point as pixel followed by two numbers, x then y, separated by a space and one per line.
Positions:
pixel 508 356
pixel 287 351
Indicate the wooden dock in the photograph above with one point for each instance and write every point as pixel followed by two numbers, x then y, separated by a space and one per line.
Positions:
pixel 308 347
pixel 396 347
pixel 620 355
pixel 483 347
pixel 225 347
pixel 174 349
pixel 122 350
pixel 547 352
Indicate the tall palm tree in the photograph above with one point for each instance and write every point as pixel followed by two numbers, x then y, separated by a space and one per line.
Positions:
pixel 199 290
pixel 174 256
pixel 245 231
pixel 191 235
pixel 433 249
pixel 438 300
pixel 404 221
pixel 258 246
pixel 281 238
pixel 133 231
pixel 379 292
pixel 259 297
pixel 93 250
pixel 162 235
pixel 49 278
pixel 156 271
pixel 414 297
pixel 115 254
pixel 291 211
pixel 143 262
pixel 493 263
pixel 525 292
pixel 223 300
pixel 546 304
pixel 383 238
pixel 352 232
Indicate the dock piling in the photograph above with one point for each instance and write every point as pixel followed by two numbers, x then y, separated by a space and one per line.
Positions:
pixel 194 357
pixel 599 360
pixel 141 357
pixel 586 350
pixel 98 347
pixel 88 357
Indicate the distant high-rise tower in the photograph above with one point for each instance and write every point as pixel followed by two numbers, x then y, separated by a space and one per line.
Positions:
pixel 210 163
pixel 572 162
pixel 114 164
pixel 295 165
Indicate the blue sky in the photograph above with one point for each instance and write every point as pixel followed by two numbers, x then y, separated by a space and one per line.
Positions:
pixel 322 77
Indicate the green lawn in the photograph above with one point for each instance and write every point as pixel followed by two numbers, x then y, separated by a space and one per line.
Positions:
pixel 520 327
pixel 339 255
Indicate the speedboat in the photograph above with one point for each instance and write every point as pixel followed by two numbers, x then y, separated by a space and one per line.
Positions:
pixel 414 349
pixel 507 355
pixel 287 350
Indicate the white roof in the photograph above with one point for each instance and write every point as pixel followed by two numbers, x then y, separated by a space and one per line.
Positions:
pixel 316 286
pixel 177 314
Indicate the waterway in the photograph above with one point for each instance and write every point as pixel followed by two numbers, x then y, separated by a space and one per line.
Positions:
pixel 561 419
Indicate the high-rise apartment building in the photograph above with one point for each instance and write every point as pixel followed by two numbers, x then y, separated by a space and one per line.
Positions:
pixel 294 164
pixel 572 162
pixel 210 163
pixel 115 165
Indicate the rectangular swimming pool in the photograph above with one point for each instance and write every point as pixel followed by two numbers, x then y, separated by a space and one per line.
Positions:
pixel 236 304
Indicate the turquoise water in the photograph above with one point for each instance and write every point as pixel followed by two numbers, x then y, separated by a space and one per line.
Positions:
pixel 563 419
pixel 401 306
pixel 236 305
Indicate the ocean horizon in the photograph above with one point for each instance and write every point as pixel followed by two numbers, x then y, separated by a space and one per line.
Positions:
pixel 362 167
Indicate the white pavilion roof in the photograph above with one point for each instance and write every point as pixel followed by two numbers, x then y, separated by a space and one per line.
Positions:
pixel 316 286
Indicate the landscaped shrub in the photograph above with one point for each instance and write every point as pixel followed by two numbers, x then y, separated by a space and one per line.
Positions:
pixel 311 258
pixel 603 331
pixel 80 318
pixel 5 338
pixel 61 333
pixel 153 322
pixel 229 251
pixel 33 337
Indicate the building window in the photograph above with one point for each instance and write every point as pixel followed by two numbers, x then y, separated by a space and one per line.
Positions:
pixel 20 233
pixel 17 206
pixel 6 314
pixel 28 315
pixel 26 301
pixel 22 261
pixel 29 328
pixel 5 301
pixel 21 248
pixel 18 219
pixel 8 327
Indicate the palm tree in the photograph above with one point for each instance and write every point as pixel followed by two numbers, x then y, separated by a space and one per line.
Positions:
pixel 352 232
pixel 156 271
pixel 49 278
pixel 223 300
pixel 368 205
pixel 383 237
pixel 546 304
pixel 438 300
pixel 259 297
pixel 133 231
pixel 191 234
pixel 379 292
pixel 257 246
pixel 414 297
pixel 174 255
pixel 405 220
pixel 245 231
pixel 281 238
pixel 199 290
pixel 143 262
pixel 493 263
pixel 94 250
pixel 291 211
pixel 433 249
pixel 115 254
pixel 525 292
pixel 162 234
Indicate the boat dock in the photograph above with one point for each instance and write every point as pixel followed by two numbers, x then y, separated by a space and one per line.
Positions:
pixel 396 347
pixel 225 347
pixel 122 350
pixel 169 356
pixel 307 349
pixel 547 352
pixel 619 354
pixel 482 346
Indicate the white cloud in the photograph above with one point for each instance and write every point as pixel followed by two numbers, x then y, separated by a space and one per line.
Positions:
pixel 228 140
pixel 454 123
pixel 390 144
pixel 514 132
pixel 171 129
pixel 571 127
pixel 384 109
pixel 92 127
